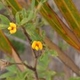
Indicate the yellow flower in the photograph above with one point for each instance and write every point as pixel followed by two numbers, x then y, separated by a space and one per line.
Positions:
pixel 12 28
pixel 37 45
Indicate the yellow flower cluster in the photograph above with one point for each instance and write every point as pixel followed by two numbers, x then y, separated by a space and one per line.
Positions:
pixel 12 28
pixel 37 45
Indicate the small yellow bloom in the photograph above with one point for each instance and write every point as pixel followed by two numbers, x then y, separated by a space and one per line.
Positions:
pixel 37 45
pixel 12 28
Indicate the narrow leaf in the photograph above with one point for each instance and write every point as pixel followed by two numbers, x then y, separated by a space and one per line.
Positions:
pixel 33 4
pixel 5 75
pixel 4 44
pixel 71 14
pixel 17 16
pixel 3 26
pixel 59 26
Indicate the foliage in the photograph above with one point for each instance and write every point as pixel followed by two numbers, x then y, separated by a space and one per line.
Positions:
pixel 30 23
pixel 74 78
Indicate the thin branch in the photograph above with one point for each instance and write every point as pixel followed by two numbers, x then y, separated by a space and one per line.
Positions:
pixel 35 67
pixel 34 52
pixel 29 67
pixel 29 40
pixel 26 34
pixel 36 74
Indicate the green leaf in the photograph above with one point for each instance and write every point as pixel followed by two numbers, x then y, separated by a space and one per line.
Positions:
pixel 23 13
pixel 43 1
pixel 13 69
pixel 43 67
pixel 17 16
pixel 4 19
pixel 43 34
pixel 49 74
pixel 31 15
pixel 74 78
pixel 63 45
pixel 28 73
pixel 11 78
pixel 23 21
pixel 5 75
pixel 43 64
pixel 53 53
pixel 27 16
pixel 32 11
pixel 30 28
pixel 33 4
pixel 3 26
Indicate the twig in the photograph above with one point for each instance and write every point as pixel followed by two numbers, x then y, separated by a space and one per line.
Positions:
pixel 29 67
pixel 26 34
pixel 35 65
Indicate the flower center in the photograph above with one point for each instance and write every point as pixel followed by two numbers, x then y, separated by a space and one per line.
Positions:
pixel 37 45
pixel 12 28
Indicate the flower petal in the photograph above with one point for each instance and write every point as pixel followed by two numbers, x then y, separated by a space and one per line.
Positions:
pixel 13 24
pixel 9 28
pixel 37 45
pixel 12 28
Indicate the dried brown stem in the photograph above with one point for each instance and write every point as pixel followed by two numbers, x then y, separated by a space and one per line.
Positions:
pixel 63 57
